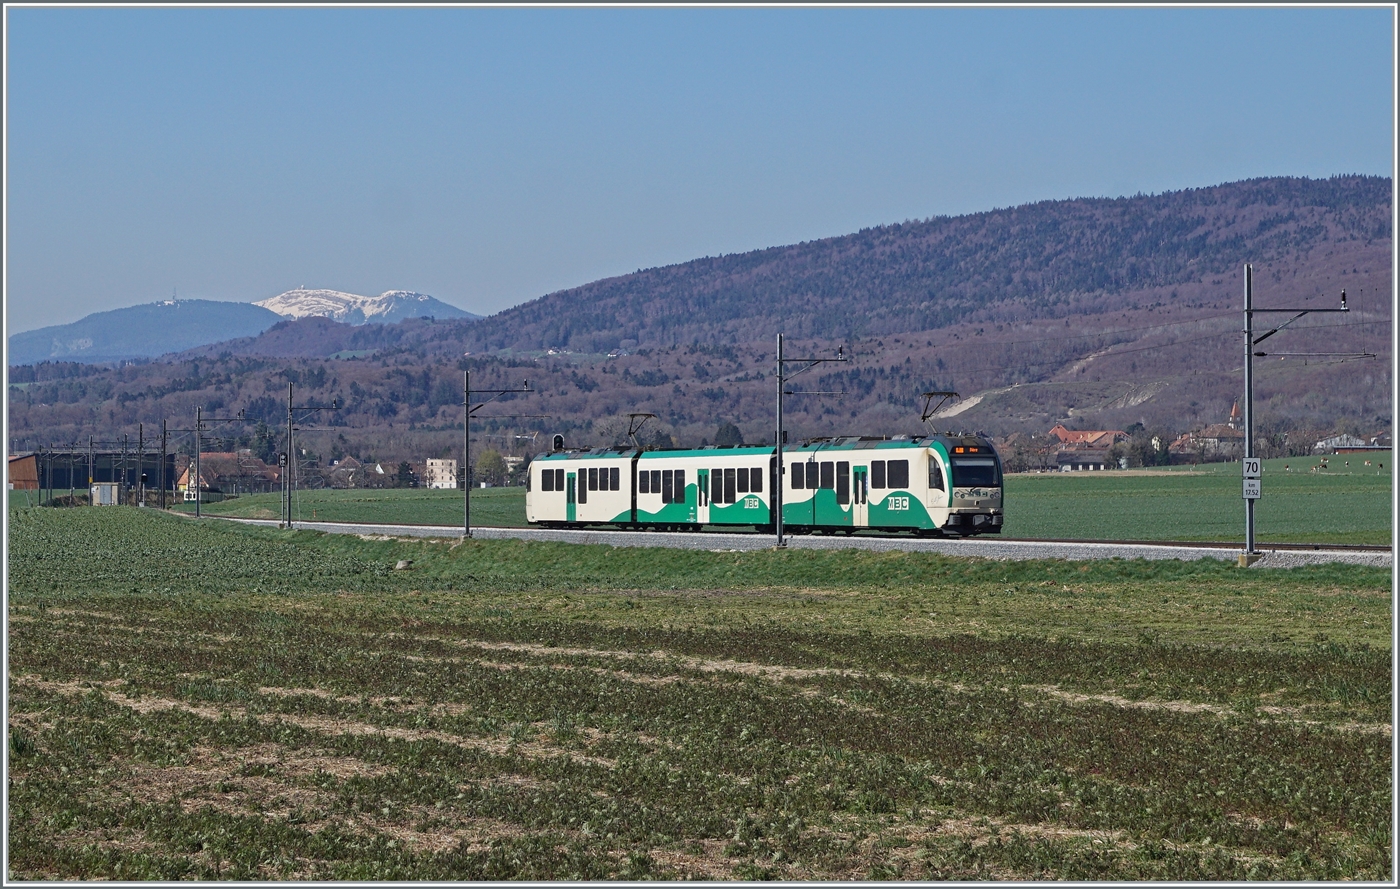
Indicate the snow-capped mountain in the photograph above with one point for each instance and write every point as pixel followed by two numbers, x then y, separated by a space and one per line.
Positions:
pixel 351 308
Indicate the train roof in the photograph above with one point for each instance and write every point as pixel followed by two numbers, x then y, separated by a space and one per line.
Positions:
pixel 839 443
pixel 858 442
pixel 588 453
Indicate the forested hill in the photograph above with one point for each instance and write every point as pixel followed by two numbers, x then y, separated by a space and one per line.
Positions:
pixel 1038 258
pixel 1095 313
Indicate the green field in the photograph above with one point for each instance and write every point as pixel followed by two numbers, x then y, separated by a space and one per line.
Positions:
pixel 206 701
pixel 1344 504
pixel 491 507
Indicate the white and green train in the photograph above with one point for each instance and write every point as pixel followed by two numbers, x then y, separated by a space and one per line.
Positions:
pixel 932 485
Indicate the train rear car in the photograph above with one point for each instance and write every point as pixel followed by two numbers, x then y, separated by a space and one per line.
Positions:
pixel 581 487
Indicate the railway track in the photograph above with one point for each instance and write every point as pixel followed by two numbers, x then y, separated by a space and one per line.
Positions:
pixel 1186 544
pixel 1224 544
pixel 1281 555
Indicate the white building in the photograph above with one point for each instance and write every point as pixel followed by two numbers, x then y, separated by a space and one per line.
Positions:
pixel 1337 442
pixel 440 474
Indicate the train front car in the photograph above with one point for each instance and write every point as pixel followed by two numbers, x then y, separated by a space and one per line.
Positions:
pixel 969 471
pixel 930 485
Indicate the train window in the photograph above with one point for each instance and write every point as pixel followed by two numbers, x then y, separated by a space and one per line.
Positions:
pixel 828 475
pixel 899 474
pixel 547 480
pixel 615 479
pixel 797 476
pixel 558 479
pixel 935 474
pixel 678 496
pixel 843 482
pixel 729 486
pixel 666 486
pixel 741 481
pixel 877 474
pixel 702 485
pixel 756 481
pixel 569 497
pixel 656 481
pixel 583 485
pixel 644 482
pixel 593 478
pixel 970 472
pixel 716 485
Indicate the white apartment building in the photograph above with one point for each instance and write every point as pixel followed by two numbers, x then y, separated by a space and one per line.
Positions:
pixel 440 474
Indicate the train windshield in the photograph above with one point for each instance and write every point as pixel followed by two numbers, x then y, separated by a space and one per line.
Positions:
pixel 976 472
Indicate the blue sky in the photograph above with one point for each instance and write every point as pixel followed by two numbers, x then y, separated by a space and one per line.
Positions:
pixel 490 156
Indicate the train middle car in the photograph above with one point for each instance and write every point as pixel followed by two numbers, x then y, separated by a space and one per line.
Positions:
pixel 931 485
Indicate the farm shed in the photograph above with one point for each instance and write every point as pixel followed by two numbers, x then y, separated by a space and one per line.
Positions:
pixel 23 473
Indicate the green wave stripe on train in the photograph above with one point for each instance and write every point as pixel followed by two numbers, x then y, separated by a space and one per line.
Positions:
pixel 748 509
pixel 899 509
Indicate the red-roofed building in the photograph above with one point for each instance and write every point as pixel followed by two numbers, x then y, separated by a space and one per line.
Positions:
pixel 229 473
pixel 1101 438
pixel 1081 450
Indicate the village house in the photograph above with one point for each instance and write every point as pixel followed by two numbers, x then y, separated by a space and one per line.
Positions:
pixel 1085 450
pixel 225 473
pixel 1219 441
pixel 346 473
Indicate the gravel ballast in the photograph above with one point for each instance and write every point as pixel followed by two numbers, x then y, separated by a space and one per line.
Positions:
pixel 987 548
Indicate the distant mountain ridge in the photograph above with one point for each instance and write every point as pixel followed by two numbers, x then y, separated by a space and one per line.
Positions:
pixel 142 331
pixel 351 308
pixel 168 326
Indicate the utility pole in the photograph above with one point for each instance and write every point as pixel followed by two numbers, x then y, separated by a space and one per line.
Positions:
pixel 164 482
pixel 198 479
pixel 199 420
pixel 807 364
pixel 289 466
pixel 467 410
pixel 286 463
pixel 1251 467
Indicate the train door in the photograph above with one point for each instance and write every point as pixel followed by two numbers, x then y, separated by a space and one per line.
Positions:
pixel 939 487
pixel 860 496
pixel 570 508
pixel 813 485
pixel 702 496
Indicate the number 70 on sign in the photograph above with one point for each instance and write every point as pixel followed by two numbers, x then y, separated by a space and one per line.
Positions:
pixel 1252 467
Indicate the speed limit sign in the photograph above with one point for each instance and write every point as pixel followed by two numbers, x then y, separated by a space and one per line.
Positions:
pixel 1253 466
